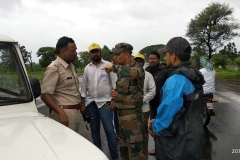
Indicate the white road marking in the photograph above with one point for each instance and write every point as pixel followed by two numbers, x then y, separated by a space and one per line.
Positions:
pixel 230 95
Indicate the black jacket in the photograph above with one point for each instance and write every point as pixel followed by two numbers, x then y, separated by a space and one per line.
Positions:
pixel 186 139
pixel 160 74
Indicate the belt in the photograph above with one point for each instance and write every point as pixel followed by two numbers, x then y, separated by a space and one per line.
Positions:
pixel 124 112
pixel 71 107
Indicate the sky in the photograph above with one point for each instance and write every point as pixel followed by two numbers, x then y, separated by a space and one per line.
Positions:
pixel 40 23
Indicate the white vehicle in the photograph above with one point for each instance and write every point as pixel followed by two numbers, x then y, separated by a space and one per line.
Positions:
pixel 25 134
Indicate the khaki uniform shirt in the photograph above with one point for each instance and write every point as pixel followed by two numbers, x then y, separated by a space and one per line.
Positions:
pixel 61 82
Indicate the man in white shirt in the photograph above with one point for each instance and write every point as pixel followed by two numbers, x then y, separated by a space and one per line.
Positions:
pixel 95 88
pixel 209 75
pixel 149 93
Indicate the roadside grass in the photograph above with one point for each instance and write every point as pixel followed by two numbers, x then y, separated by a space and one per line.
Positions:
pixel 39 74
pixel 36 74
pixel 228 74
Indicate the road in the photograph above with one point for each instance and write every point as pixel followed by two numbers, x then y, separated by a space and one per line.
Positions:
pixel 222 135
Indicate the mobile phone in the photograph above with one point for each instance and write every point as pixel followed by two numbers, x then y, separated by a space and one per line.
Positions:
pixel 108 105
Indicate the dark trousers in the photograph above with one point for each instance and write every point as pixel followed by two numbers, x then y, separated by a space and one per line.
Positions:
pixel 153 112
pixel 116 124
pixel 145 133
pixel 106 116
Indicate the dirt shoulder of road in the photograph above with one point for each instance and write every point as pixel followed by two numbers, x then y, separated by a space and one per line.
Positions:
pixel 231 85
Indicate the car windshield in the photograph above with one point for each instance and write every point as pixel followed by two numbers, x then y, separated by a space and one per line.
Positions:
pixel 13 82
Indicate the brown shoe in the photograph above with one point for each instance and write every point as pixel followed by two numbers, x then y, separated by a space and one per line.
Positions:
pixel 152 152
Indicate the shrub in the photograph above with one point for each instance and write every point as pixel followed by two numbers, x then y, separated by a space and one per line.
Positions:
pixel 36 67
pixel 228 74
pixel 219 60
pixel 229 61
pixel 237 61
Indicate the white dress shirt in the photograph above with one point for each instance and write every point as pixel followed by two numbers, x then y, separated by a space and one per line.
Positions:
pixel 97 84
pixel 149 91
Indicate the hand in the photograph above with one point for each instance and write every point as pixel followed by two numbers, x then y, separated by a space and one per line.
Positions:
pixel 114 93
pixel 108 68
pixel 82 108
pixel 63 118
pixel 112 105
pixel 149 130
pixel 150 122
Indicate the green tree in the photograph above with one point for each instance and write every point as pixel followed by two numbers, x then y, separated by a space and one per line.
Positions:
pixel 230 50
pixel 237 61
pixel 24 53
pixel 30 60
pixel 219 60
pixel 146 51
pixel 77 62
pixel 27 56
pixel 106 55
pixel 47 56
pixel 198 52
pixel 213 27
pixel 84 59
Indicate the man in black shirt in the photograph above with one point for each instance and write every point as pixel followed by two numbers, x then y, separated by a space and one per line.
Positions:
pixel 159 73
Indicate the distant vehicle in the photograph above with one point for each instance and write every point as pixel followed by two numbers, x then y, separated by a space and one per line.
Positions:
pixel 208 108
pixel 25 134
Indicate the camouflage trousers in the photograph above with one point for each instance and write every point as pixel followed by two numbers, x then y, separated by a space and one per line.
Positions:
pixel 131 136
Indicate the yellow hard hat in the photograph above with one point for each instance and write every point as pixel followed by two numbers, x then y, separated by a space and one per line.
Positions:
pixel 139 55
pixel 93 46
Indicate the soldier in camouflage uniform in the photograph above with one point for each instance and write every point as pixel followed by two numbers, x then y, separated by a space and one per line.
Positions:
pixel 128 97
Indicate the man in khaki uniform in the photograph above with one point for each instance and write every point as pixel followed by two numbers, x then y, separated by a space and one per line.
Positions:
pixel 60 86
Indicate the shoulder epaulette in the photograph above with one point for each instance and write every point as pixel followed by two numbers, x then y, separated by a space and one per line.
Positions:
pixel 54 65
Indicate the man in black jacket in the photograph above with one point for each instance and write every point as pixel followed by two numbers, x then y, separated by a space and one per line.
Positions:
pixel 178 126
pixel 159 73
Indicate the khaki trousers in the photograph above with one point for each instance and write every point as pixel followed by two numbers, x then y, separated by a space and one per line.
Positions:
pixel 74 116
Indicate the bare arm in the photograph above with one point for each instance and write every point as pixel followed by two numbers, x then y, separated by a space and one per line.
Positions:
pixel 49 101
pixel 84 90
pixel 83 106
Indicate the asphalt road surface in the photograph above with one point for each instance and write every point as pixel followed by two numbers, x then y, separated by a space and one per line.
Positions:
pixel 222 135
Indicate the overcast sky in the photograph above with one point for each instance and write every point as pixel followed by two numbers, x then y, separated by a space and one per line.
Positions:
pixel 40 23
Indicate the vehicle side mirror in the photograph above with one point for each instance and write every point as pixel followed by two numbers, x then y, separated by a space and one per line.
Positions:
pixel 36 87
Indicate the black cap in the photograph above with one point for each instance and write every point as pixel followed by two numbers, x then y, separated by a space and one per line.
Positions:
pixel 177 45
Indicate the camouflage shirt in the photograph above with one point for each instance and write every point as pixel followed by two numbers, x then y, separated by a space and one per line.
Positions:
pixel 129 86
